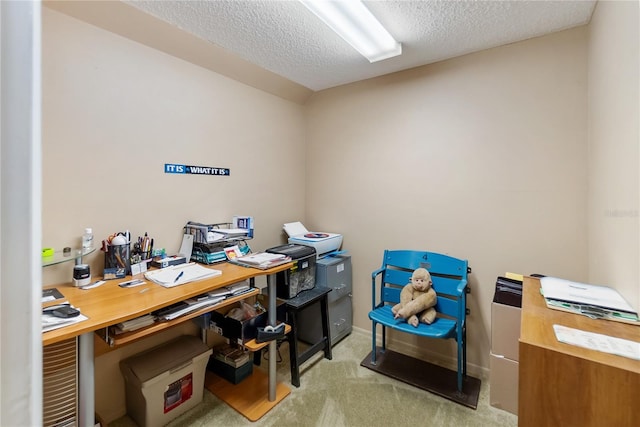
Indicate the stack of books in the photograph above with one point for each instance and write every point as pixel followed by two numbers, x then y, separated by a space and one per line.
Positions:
pixel 261 260
pixel 231 290
pixel 134 324
pixel 190 305
pixel 230 355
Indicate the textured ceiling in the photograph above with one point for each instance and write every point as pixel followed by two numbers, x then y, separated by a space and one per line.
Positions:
pixel 285 38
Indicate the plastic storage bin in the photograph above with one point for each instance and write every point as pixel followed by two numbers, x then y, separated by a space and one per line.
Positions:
pixel 165 381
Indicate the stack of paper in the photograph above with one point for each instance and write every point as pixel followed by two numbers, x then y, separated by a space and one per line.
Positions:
pixel 231 232
pixel 262 260
pixel 185 307
pixel 180 274
pixel 51 322
pixel 598 302
pixel 134 324
pixel 599 342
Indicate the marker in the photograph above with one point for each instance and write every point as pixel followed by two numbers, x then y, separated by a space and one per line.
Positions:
pixel 178 276
pixel 131 283
pixel 93 285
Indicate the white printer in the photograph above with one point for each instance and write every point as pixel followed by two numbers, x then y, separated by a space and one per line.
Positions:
pixel 322 242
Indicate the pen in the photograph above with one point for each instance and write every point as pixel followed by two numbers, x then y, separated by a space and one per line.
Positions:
pixel 178 276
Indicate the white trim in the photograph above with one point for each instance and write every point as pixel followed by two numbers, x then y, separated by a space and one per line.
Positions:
pixel 20 214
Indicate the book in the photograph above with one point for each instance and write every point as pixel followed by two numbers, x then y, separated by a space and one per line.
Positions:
pixel 232 252
pixel 51 294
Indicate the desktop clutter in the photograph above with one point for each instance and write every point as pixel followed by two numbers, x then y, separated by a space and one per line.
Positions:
pixel 235 311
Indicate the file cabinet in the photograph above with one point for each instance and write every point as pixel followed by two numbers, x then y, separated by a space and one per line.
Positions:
pixel 333 273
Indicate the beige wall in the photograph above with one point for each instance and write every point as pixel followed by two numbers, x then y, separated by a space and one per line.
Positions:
pixel 114 112
pixel 614 257
pixel 481 157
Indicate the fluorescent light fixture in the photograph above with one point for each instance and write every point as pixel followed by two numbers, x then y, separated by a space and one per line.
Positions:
pixel 357 26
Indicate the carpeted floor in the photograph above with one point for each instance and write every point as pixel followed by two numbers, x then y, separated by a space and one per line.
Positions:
pixel 341 393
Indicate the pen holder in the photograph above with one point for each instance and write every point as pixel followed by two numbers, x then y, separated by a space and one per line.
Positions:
pixel 117 257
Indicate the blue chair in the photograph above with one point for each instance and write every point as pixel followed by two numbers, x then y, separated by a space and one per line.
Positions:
pixel 449 277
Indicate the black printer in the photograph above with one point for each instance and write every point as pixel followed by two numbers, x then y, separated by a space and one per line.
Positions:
pixel 301 276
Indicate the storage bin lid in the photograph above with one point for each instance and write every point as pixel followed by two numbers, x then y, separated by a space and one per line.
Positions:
pixel 166 357
pixel 293 250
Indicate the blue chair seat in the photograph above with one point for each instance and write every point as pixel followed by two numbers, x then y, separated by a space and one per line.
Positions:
pixel 440 328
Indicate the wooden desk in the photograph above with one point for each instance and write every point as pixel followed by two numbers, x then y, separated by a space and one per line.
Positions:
pixel 565 385
pixel 110 304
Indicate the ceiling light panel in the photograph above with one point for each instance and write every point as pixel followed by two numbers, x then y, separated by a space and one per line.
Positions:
pixel 352 21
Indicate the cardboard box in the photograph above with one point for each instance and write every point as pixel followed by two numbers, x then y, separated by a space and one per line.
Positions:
pixel 244 330
pixel 503 381
pixel 505 330
pixel 165 381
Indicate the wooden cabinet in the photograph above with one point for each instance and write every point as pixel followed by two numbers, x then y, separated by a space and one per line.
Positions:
pixel 566 385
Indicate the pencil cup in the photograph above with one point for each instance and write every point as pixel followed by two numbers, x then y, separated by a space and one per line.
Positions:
pixel 118 257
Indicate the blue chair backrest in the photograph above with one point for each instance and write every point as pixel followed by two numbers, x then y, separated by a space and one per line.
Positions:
pixel 446 273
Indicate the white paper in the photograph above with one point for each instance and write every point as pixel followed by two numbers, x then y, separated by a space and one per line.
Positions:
pixel 180 274
pixel 261 258
pixel 582 293
pixel 192 306
pixel 187 246
pixel 231 231
pixel 295 229
pixel 51 322
pixel 599 342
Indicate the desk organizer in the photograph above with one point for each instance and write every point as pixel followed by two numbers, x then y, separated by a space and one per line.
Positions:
pixel 210 240
pixel 242 331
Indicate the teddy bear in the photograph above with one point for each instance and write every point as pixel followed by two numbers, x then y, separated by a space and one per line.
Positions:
pixel 417 300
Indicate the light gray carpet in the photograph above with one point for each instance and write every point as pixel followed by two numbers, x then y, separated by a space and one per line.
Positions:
pixel 341 393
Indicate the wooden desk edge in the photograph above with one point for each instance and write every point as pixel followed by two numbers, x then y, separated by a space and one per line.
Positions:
pixel 537 329
pixel 91 325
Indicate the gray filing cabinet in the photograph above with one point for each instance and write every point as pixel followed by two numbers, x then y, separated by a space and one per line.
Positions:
pixel 334 273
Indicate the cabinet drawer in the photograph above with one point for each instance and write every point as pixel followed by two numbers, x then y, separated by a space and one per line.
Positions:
pixel 334 273
pixel 340 321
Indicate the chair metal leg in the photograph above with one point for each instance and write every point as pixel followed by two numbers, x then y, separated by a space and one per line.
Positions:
pixel 384 338
pixel 464 350
pixel 373 343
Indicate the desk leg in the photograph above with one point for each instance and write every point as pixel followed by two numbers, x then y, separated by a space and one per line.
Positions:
pixel 86 391
pixel 271 288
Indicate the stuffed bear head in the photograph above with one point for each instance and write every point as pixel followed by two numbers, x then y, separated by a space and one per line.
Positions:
pixel 421 279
